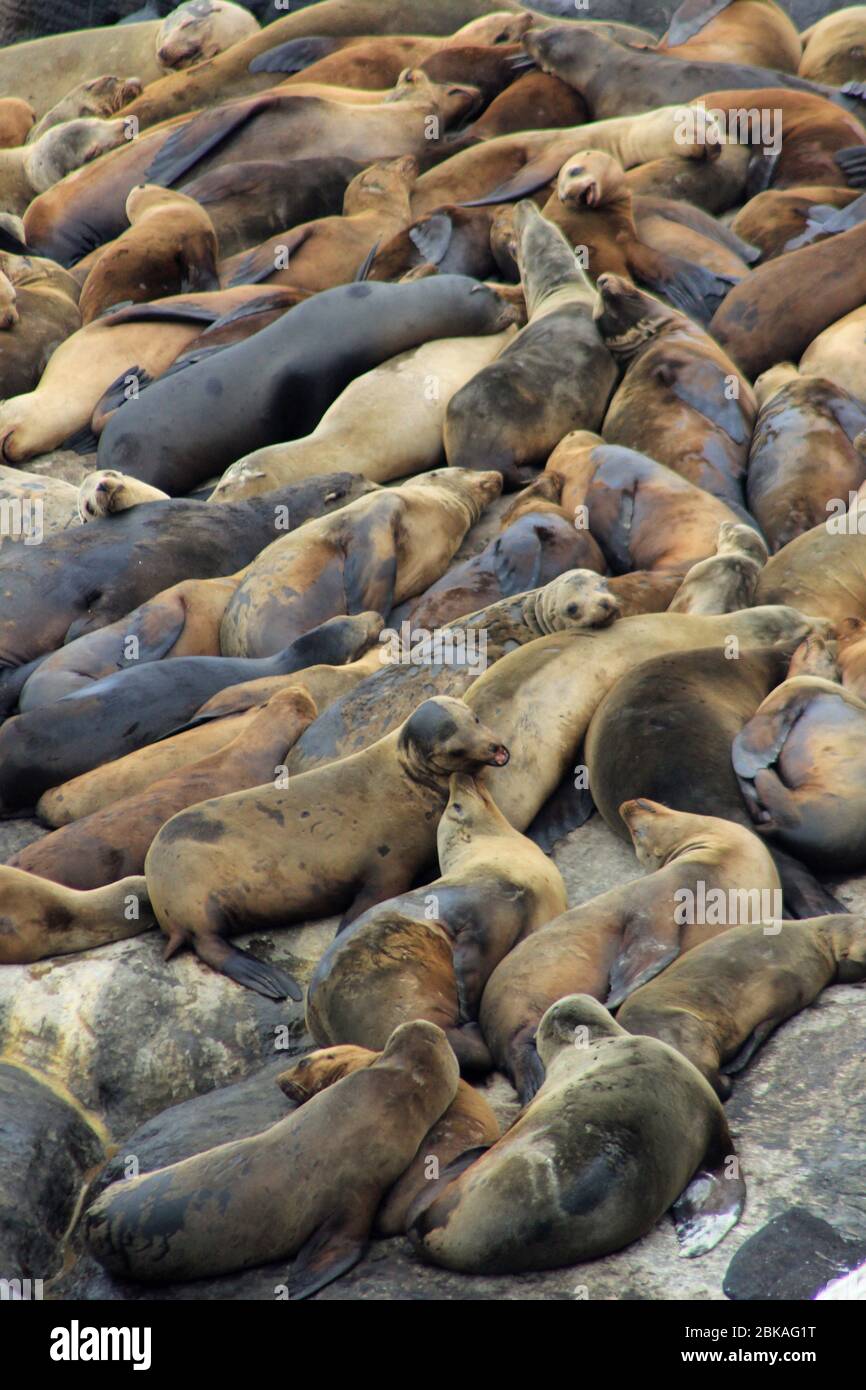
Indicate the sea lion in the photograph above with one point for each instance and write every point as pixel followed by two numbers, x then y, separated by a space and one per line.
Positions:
pixel 16 120
pixel 802 452
pixel 329 251
pixel 851 656
pixel 823 571
pixel 775 219
pixel 834 47
pixel 80 580
pixel 169 248
pixel 468 1123
pixel 839 354
pixel 682 399
pixel 44 70
pixel 622 1129
pixel 800 762
pixel 101 96
pixel 163 1226
pixel 760 323
pixel 31 169
pixel 49 744
pixel 514 412
pixel 186 427
pixel 112 844
pixel 39 312
pixel 429 953
pixel 105 493
pixel 610 945
pixel 535 101
pixel 736 31
pixel 720 1003
pixel 200 30
pixel 727 580
pixel 451 240
pixel 643 515
pixel 377 853
pixel 39 919
pixel 414 387
pixel 714 186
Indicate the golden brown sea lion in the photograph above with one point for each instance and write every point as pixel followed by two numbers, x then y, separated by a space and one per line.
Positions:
pixel 733 31
pixel 839 354
pixel 834 48
pixel 622 1128
pixel 823 571
pixel 16 120
pixel 720 1003
pixel 271 1196
pixel 612 944
pixel 727 580
pixel 40 919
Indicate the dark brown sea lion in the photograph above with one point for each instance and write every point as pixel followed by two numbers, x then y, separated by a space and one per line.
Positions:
pixel 536 101
pixel 611 944
pixel 622 1129
pixel 802 452
pixel 39 919
pixel 112 844
pixel 162 1226
pixel 468 1123
pixel 776 218
pixel 360 832
pixel 720 1003
pixel 517 410
pixel 456 241
pixel 187 427
pixel 682 400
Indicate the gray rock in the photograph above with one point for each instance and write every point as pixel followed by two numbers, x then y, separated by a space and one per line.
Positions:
pixel 793 1256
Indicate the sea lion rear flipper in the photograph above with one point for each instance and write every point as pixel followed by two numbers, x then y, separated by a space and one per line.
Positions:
pixel 564 810
pixel 294 56
pixel 691 17
pixel 852 162
pixel 713 1201
pixel 690 287
pixel 433 1186
pixel 761 171
pixel 245 969
pixel 172 313
pixel 191 142
pixel 82 441
pixel 330 1252
pixel 367 263
pixel 756 1039
pixel 759 744
pixel 803 895
pixel 113 397
pixel 640 960
pixel 527 1068
pixel 534 175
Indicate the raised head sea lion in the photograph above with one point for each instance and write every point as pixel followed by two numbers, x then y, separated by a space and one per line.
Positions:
pixel 612 944
pixel 720 1003
pixel 727 580
pixel 39 919
pixel 30 169
pixel 385 802
pixel 622 1129
pixel 270 1196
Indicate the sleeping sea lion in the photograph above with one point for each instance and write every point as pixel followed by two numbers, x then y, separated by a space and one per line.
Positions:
pixel 39 919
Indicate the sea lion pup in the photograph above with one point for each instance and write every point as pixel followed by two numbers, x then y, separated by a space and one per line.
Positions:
pixel 739 31
pixel 351 429
pixel 100 97
pixel 593 206
pixel 643 515
pixel 720 1003
pixel 200 30
pixel 385 799
pixel 228 1209
pixel 468 1123
pixel 802 453
pixel 16 121
pixel 169 248
pixel 760 323
pixel 622 1129
pixel 30 169
pixel 727 580
pixel 801 765
pixel 50 744
pixel 838 354
pixel 430 952
pixel 113 843
pixel 833 47
pixel 610 945
pixel 682 399
pixel 331 250
pixel 186 427
pixel 39 919
pixel 388 547
pixel 106 492
pixel 514 412
pixel 823 571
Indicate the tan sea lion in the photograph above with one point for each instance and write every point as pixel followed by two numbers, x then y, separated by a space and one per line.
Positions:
pixel 720 1003
pixel 33 506
pixel 200 30
pixel 834 48
pixel 113 843
pixel 851 655
pixel 739 31
pixel 31 169
pixel 43 71
pixel 429 953
pixel 227 1208
pixel 468 1123
pixel 775 219
pixel 727 580
pixel 40 919
pixel 839 355
pixel 38 312
pixel 622 1129
pixel 822 571
pixel 101 96
pixel 385 802
pixel 16 121
pixel 610 945
pixel 106 492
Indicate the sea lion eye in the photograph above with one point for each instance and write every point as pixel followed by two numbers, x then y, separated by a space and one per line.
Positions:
pixel 576 170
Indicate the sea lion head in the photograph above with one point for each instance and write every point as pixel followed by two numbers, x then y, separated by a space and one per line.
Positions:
pixel 452 102
pixel 574 1021
pixel 382 182
pixel 500 27
pixel 573 56
pixel 201 29
pixel 66 147
pixel 423 1049
pixel 774 380
pixel 737 538
pixel 471 811
pixel 147 197
pixel 472 489
pixel 589 178
pixel 444 736
pixel 100 97
pixel 849 634
pixel 8 310
pixel 657 831
pixel 627 317
pixel 545 258
pixel 845 935
pixel 319 1070
pixel 815 657
pixel 576 599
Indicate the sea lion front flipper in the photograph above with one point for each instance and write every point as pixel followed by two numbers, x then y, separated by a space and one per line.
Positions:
pixel 689 287
pixel 293 56
pixel 200 136
pixel 802 894
pixel 564 810
pixel 527 1068
pixel 432 237
pixel 259 264
pixel 331 1251
pixel 640 960
pixel 691 17
pixel 534 175
pixel 852 162
pixel 367 263
pixel 713 1201
pixel 82 441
